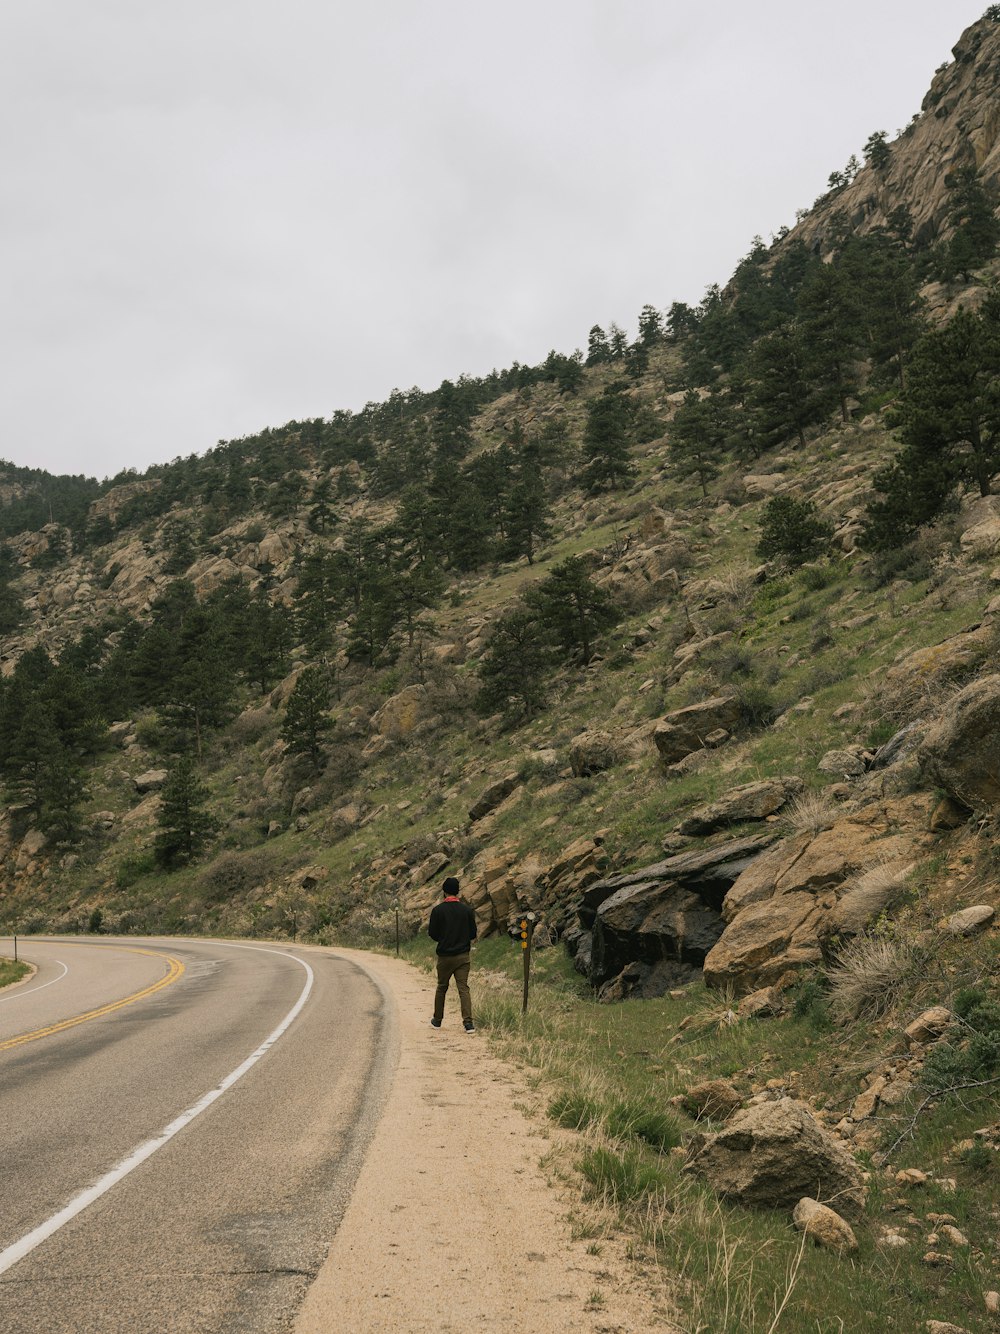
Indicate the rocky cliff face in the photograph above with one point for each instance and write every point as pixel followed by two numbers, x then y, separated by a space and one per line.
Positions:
pixel 958 124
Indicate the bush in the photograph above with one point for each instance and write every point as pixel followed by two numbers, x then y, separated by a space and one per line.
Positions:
pixel 233 873
pixel 816 577
pixel 133 867
pixel 811 1004
pixel 792 529
pixel 973 1056
pixel 756 705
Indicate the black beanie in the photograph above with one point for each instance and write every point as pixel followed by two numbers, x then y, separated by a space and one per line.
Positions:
pixel 450 885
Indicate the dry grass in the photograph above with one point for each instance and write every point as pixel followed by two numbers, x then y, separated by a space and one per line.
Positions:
pixel 811 813
pixel 886 879
pixel 736 583
pixel 869 974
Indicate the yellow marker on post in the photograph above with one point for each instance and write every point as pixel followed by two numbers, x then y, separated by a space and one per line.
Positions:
pixel 527 931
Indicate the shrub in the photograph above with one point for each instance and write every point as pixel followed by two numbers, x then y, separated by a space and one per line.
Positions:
pixel 792 529
pixel 815 577
pixel 133 867
pixel 975 1053
pixel 233 873
pixel 756 704
pixel 811 1003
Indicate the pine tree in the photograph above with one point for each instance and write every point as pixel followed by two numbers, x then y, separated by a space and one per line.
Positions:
pixel 185 825
pixel 949 426
pixel 515 667
pixel 307 717
pixel 572 609
pixel 784 397
pixel 697 438
pixel 605 439
pixel 977 228
pixel 528 511
pixel 830 324
pixel 61 792
pixel 793 529
pixel 598 351
pixel 650 327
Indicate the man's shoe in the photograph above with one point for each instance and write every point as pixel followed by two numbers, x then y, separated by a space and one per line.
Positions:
pixel 435 1023
pixel 469 1026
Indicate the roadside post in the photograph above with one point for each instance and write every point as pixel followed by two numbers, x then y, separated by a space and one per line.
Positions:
pixel 15 944
pixel 527 931
pixel 397 932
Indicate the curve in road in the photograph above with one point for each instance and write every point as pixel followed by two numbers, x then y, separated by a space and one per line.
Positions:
pixel 122 1212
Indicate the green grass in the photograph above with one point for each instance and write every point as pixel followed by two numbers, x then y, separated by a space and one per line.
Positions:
pixel 12 972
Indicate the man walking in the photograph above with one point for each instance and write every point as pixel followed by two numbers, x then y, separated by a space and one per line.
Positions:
pixel 453 926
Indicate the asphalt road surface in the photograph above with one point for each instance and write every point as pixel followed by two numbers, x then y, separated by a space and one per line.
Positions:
pixel 181 1124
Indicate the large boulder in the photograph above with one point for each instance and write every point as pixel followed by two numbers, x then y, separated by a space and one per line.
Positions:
pixel 960 754
pixel 787 905
pixel 592 753
pixel 752 801
pixel 981 526
pixel 686 730
pixel 824 1226
pixel 766 941
pixel 400 714
pixel 771 1155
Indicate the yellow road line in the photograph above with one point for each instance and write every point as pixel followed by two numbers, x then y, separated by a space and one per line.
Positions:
pixel 174 970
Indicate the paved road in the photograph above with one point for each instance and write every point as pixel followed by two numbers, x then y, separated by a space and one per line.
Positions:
pixel 220 1223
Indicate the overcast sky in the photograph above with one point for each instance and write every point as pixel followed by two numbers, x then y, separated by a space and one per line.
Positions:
pixel 217 215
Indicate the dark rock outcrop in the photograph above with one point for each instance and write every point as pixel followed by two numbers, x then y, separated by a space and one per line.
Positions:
pixel 686 730
pixel 491 797
pixel 665 917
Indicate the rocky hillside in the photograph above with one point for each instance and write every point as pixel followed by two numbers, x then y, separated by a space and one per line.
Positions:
pixel 755 762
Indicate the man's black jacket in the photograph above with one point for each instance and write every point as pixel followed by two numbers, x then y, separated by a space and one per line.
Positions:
pixel 453 926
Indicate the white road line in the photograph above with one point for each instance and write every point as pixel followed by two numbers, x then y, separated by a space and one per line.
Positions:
pixel 30 991
pixel 16 1252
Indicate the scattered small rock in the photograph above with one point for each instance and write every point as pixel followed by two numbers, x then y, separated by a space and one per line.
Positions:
pixel 953 1235
pixel 929 1026
pixel 970 920
pixel 911 1176
pixel 715 1098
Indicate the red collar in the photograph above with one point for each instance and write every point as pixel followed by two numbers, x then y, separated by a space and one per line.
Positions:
pixel 451 898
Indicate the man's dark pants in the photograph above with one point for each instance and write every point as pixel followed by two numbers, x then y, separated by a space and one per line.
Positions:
pixel 453 966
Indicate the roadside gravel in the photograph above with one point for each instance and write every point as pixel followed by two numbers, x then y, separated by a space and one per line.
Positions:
pixel 454 1224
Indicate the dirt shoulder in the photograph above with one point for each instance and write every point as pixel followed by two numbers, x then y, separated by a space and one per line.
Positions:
pixel 454 1223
